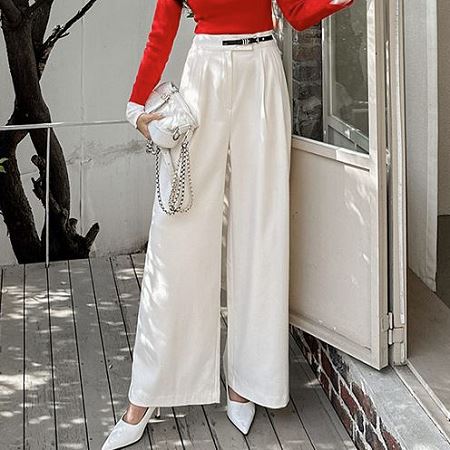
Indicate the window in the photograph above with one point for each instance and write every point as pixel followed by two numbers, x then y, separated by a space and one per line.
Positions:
pixel 329 80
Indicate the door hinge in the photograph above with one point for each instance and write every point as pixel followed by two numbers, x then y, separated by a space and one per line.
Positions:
pixel 395 335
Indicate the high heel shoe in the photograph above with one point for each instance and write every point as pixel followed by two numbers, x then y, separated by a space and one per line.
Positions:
pixel 241 414
pixel 125 433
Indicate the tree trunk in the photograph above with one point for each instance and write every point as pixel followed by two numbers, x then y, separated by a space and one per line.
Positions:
pixel 24 44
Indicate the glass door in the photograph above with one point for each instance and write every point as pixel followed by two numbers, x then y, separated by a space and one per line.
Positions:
pixel 337 77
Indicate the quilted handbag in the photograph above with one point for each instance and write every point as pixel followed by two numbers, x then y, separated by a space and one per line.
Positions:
pixel 175 129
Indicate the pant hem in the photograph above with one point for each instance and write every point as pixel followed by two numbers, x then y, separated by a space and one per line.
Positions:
pixel 273 402
pixel 197 399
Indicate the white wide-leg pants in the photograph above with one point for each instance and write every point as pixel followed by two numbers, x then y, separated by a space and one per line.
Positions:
pixel 240 95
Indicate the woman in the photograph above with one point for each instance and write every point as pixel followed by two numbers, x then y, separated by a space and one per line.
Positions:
pixel 238 90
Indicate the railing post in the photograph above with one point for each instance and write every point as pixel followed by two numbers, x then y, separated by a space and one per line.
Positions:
pixel 47 200
pixel 49 126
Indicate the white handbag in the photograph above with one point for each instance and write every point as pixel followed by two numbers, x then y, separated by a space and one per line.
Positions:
pixel 175 129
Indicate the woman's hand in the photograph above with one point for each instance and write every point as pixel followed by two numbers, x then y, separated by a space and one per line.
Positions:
pixel 144 119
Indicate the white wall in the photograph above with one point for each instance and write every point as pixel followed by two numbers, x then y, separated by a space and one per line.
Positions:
pixel 422 136
pixel 89 77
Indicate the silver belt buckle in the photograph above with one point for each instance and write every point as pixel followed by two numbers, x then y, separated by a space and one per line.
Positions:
pixel 245 41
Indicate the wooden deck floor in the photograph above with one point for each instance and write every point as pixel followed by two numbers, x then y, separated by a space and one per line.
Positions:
pixel 66 336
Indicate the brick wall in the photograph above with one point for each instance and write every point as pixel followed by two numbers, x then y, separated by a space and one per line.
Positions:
pixel 352 404
pixel 307 83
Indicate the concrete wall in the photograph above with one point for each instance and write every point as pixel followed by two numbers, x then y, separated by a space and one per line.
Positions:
pixel 89 77
pixel 427 48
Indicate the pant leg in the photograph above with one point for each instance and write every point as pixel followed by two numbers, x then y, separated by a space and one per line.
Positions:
pixel 258 228
pixel 176 354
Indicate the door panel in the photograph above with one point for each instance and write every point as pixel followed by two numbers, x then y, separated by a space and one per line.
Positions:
pixel 338 273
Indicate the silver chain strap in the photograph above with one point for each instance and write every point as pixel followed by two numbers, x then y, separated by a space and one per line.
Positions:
pixel 180 177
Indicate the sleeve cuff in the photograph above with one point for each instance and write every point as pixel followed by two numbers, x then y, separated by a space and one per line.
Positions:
pixel 133 111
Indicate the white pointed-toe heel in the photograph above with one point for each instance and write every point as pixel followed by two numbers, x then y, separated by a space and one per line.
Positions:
pixel 241 414
pixel 125 433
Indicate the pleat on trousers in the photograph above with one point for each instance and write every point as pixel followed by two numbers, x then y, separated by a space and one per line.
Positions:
pixel 240 96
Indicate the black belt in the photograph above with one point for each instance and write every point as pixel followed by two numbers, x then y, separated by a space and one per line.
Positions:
pixel 250 40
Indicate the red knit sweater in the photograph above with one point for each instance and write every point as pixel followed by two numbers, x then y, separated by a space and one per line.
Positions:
pixel 217 17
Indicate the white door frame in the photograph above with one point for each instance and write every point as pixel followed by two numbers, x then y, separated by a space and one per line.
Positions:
pixel 375 163
pixel 398 263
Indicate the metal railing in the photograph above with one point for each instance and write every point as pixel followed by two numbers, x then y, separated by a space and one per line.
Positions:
pixel 48 126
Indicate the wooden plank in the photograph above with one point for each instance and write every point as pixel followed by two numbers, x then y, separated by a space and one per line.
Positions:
pixel 70 417
pixel 289 428
pixel 192 422
pixel 221 432
pixel 194 427
pixel 225 434
pixel 223 428
pixel 105 309
pixel 116 345
pixel 164 432
pixel 324 400
pixel 322 424
pixel 39 418
pixel 92 360
pixel 128 288
pixel 286 423
pixel 12 357
pixel 261 434
pixel 138 260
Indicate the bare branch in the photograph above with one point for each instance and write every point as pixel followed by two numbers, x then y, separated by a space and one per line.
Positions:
pixel 61 30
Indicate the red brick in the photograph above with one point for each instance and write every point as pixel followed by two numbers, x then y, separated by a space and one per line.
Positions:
pixel 312 344
pixel 329 370
pixel 366 404
pixel 348 399
pixel 325 382
pixel 338 363
pixel 373 440
pixel 342 413
pixel 390 441
pixel 359 418
pixel 359 442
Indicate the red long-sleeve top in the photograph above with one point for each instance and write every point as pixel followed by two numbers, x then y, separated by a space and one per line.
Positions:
pixel 218 17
